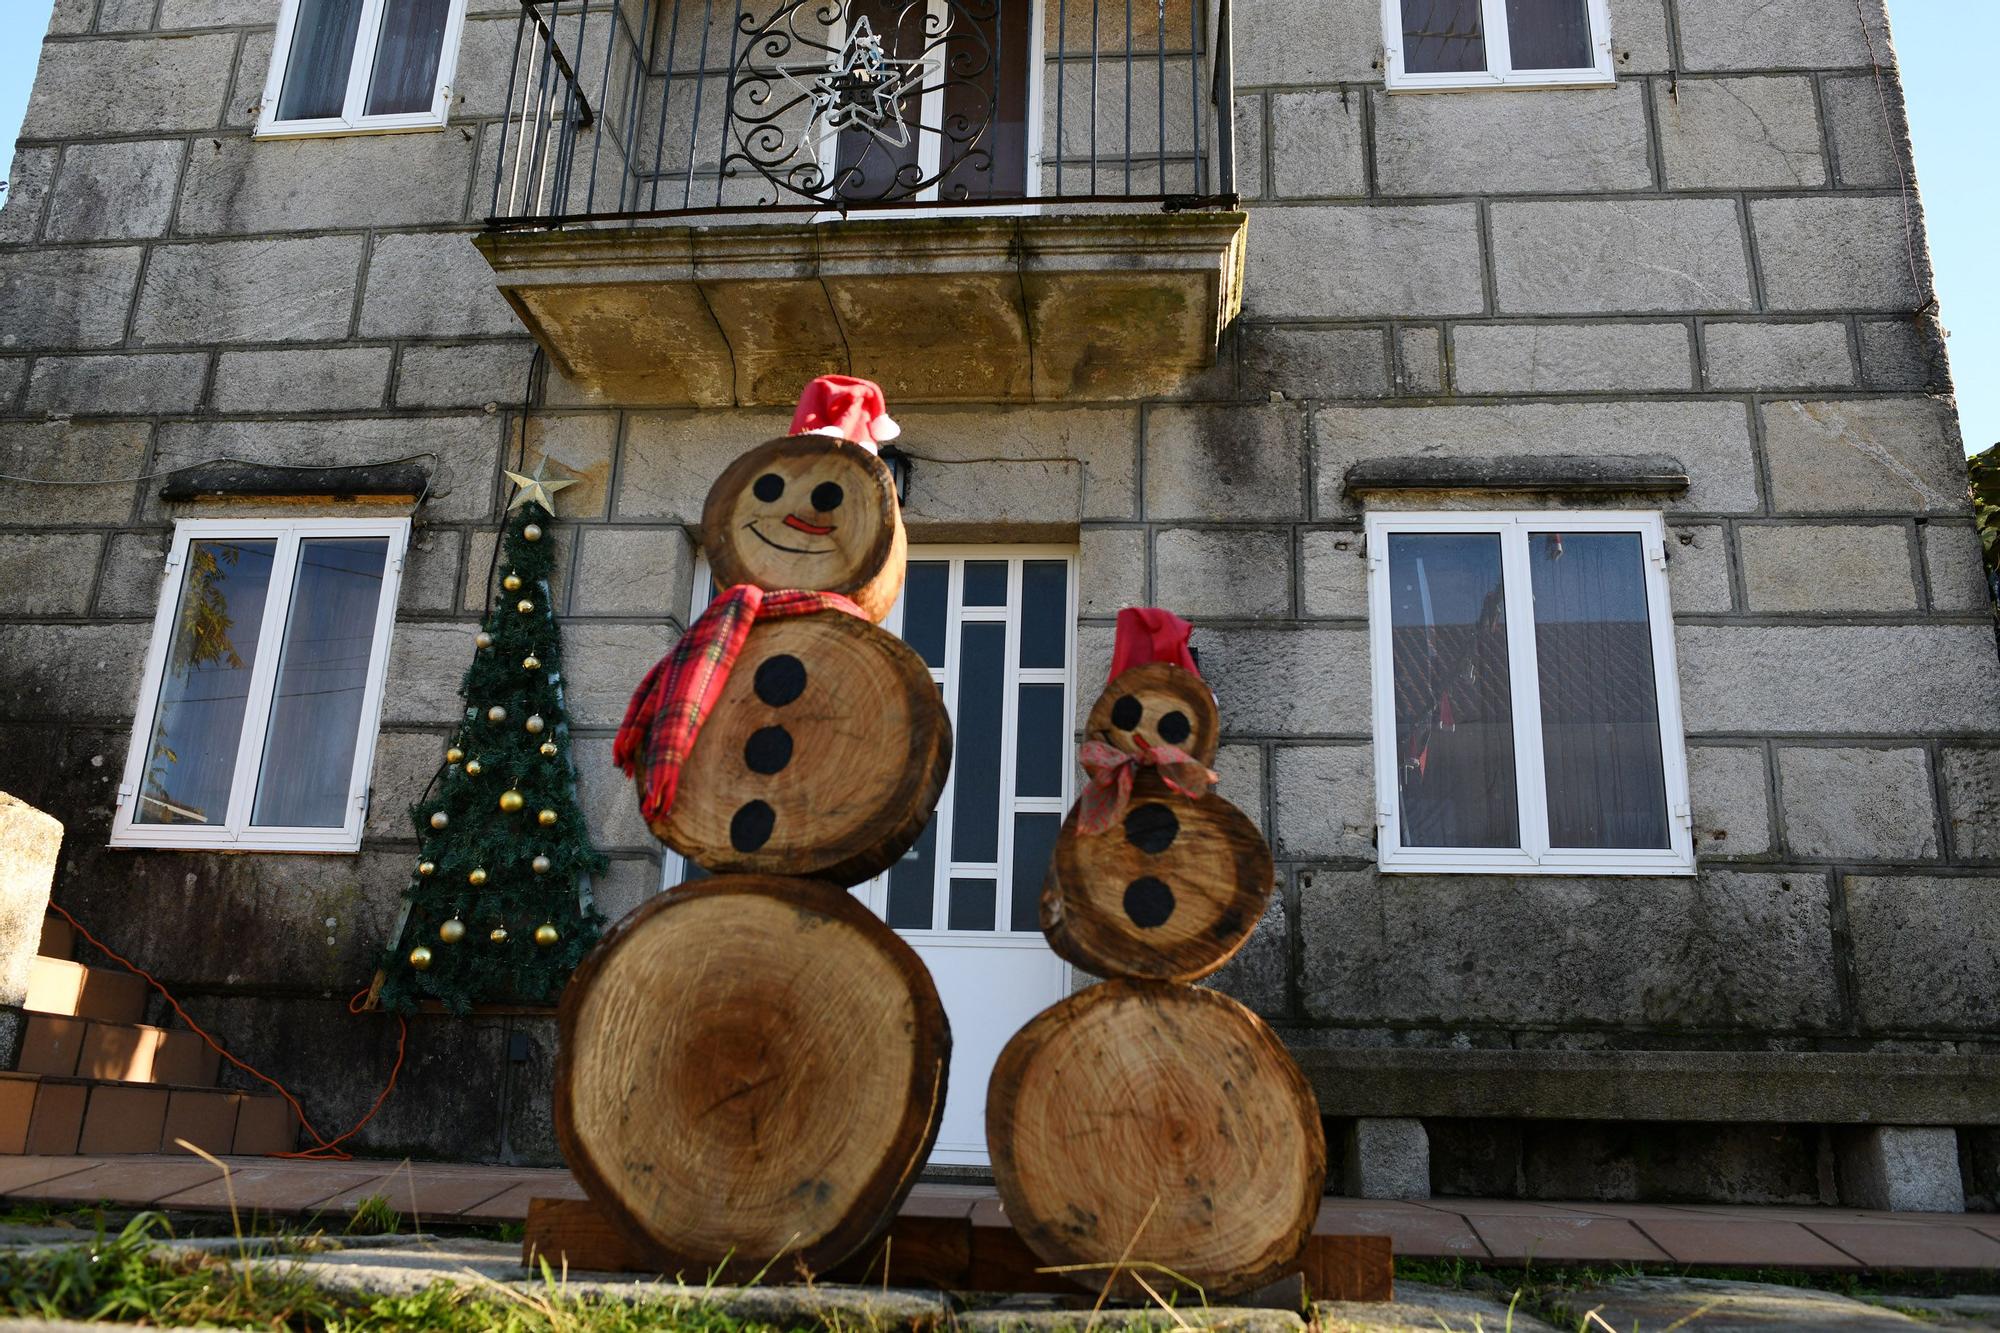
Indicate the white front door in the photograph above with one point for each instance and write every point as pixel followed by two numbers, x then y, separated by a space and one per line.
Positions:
pixel 996 626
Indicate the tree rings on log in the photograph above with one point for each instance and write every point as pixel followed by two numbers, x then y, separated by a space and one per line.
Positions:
pixel 1171 893
pixel 1165 1125
pixel 752 1071
pixel 809 512
pixel 823 758
pixel 1161 703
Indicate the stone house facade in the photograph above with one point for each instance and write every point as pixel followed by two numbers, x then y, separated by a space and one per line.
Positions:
pixel 1690 282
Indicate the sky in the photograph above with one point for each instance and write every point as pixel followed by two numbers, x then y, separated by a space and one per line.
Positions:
pixel 1945 47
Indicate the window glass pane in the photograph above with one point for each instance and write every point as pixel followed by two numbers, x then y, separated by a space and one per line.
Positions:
pixel 982 667
pixel 1442 37
pixel 205 683
pixel 1454 712
pixel 1034 844
pixel 1044 612
pixel 972 904
pixel 925 589
pixel 406 56
pixel 1549 34
pixel 322 53
pixel 322 677
pixel 986 89
pixel 1038 741
pixel 913 884
pixel 1600 710
pixel 986 583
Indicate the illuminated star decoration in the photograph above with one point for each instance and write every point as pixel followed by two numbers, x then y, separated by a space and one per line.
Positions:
pixel 863 89
pixel 535 488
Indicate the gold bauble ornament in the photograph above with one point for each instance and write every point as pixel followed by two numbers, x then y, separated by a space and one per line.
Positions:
pixel 545 935
pixel 510 801
pixel 439 819
pixel 540 865
pixel 473 768
pixel 482 639
pixel 453 755
pixel 452 931
pixel 496 714
pixel 546 818
pixel 512 583
pixel 548 749
pixel 426 867
pixel 498 934
pixel 534 724
pixel 531 663
pixel 476 878
pixel 533 532
pixel 420 957
pixel 524 606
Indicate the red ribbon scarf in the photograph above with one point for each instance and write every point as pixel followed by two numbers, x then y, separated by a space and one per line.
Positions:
pixel 1111 770
pixel 677 695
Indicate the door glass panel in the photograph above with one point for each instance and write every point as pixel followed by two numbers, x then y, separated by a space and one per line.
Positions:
pixel 972 904
pixel 406 56
pixel 308 759
pixel 1044 612
pixel 1034 844
pixel 926 588
pixel 913 884
pixel 1039 751
pixel 1600 706
pixel 1442 37
pixel 1549 34
pixel 986 583
pixel 205 684
pixel 322 54
pixel 982 673
pixel 1454 709
pixel 876 156
pixel 985 127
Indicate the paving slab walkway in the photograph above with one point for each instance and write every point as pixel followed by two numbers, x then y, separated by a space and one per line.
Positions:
pixel 1501 1231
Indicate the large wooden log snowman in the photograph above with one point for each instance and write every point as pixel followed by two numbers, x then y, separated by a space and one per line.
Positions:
pixel 1145 1126
pixel 752 1066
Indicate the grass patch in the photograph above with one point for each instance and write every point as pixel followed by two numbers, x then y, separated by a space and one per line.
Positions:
pixel 374 1217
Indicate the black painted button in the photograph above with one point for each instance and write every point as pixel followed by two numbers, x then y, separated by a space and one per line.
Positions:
pixel 751 827
pixel 1148 902
pixel 768 750
pixel 1175 727
pixel 1152 828
pixel 780 679
pixel 1125 714
pixel 827 496
pixel 768 487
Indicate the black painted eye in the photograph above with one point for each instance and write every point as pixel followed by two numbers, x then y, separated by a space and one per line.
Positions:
pixel 1175 727
pixel 1126 712
pixel 827 496
pixel 768 487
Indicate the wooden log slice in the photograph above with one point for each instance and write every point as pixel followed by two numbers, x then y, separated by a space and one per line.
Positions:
pixel 751 1070
pixel 1170 893
pixel 1158 1122
pixel 1162 703
pixel 823 758
pixel 811 512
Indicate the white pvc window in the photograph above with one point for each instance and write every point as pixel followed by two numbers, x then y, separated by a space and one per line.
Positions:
pixel 347 66
pixel 255 727
pixel 1496 43
pixel 1527 715
pixel 996 627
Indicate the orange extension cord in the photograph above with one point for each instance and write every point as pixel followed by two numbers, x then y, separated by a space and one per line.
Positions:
pixel 328 1149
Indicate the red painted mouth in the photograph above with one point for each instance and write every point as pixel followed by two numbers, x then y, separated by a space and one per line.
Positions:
pixel 797 524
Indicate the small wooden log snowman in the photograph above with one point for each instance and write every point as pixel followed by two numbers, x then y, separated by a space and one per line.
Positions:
pixel 752 1066
pixel 1145 1123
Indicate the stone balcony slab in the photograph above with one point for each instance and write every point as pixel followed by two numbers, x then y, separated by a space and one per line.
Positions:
pixel 1035 308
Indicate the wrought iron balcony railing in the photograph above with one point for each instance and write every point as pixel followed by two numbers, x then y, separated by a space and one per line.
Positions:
pixel 629 109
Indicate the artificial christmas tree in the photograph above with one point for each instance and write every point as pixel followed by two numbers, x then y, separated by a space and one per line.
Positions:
pixel 498 904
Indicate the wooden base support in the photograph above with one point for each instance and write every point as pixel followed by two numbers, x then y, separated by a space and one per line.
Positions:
pixel 951 1244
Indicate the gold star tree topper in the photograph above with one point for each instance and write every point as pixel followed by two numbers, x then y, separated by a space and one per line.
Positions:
pixel 535 488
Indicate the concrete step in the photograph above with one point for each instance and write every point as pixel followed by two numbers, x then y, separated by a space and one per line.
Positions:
pixel 59 986
pixel 120 1052
pixel 58 938
pixel 45 1114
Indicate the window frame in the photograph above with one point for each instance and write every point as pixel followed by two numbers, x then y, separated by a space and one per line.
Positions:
pixel 1499 71
pixel 352 119
pixel 1534 855
pixel 235 832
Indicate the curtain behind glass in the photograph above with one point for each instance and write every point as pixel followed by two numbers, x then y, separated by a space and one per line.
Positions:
pixel 1549 34
pixel 407 56
pixel 191 758
pixel 308 762
pixel 322 54
pixel 1442 37
pixel 1600 708
pixel 1454 707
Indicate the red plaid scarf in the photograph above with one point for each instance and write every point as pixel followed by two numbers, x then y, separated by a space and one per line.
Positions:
pixel 1111 770
pixel 678 694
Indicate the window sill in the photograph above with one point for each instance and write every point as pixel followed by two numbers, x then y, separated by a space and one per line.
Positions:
pixel 346 129
pixel 1666 865
pixel 1434 83
pixel 127 842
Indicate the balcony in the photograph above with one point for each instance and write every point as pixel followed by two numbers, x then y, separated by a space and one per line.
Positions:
pixel 707 202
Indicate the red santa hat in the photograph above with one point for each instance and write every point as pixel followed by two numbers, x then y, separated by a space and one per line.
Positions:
pixel 846 408
pixel 1148 634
